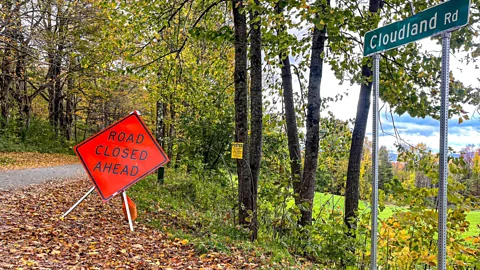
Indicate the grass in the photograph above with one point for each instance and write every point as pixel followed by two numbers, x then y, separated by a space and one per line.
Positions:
pixel 474 219
pixel 175 208
pixel 196 211
pixel 325 201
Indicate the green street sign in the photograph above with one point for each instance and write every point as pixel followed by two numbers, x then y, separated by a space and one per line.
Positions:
pixel 446 16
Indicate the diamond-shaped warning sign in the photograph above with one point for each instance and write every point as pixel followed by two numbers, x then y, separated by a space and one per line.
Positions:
pixel 120 155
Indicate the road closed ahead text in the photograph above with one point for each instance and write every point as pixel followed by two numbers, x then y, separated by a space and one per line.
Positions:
pixel 131 153
pixel 120 155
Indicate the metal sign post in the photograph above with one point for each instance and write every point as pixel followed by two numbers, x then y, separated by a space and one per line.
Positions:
pixel 373 242
pixel 125 201
pixel 439 19
pixel 79 201
pixel 443 162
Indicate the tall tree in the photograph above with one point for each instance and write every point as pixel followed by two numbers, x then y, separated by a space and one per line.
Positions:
pixel 248 168
pixel 304 184
pixel 245 181
pixel 358 136
pixel 256 109
pixel 7 60
pixel 289 104
pixel 307 185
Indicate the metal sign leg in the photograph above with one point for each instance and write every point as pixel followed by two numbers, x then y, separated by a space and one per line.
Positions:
pixel 443 162
pixel 79 201
pixel 125 201
pixel 373 242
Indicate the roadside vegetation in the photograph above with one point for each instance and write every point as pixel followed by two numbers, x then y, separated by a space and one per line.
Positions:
pixel 206 74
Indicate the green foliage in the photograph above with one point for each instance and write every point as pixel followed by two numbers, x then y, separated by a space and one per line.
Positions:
pixel 201 210
pixel 39 137
pixel 326 241
pixel 385 174
pixel 407 238
pixel 410 77
pixel 333 157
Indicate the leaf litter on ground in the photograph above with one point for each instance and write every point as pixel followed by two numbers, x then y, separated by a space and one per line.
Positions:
pixel 30 160
pixel 93 236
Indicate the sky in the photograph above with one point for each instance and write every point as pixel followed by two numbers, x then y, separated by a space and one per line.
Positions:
pixel 411 130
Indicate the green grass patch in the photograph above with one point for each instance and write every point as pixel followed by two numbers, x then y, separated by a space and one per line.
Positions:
pixel 474 218
pixel 323 202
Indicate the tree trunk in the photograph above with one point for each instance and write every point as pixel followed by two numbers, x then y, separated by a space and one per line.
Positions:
pixel 290 118
pixel 245 195
pixel 7 66
pixel 160 134
pixel 69 110
pixel 58 101
pixel 54 88
pixel 256 111
pixel 5 85
pixel 356 148
pixel 21 93
pixel 307 185
pixel 358 136
pixel 304 184
pixel 171 133
pixel 159 128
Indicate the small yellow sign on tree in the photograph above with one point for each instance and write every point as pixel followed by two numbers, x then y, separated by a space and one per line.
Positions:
pixel 237 150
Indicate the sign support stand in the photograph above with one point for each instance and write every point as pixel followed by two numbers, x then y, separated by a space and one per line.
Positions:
pixel 443 162
pixel 373 241
pixel 125 201
pixel 79 201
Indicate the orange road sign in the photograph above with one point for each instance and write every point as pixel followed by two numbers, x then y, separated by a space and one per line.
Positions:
pixel 120 155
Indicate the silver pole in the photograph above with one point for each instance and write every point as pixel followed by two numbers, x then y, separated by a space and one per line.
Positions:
pixel 124 194
pixel 373 242
pixel 443 162
pixel 77 203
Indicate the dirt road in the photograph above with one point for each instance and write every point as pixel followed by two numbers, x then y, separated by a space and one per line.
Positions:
pixel 22 178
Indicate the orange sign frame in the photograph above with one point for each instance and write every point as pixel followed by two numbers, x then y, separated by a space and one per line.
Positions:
pixel 120 155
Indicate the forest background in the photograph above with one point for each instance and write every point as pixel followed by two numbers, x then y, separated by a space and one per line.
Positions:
pixel 205 74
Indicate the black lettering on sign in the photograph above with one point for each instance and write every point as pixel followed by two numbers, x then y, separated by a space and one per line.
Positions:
pixel 130 138
pixel 112 135
pixel 124 170
pixel 134 152
pixel 116 152
pixel 105 152
pixel 134 171
pixel 107 167
pixel 140 138
pixel 143 155
pixel 98 166
pixel 121 136
pixel 97 150
pixel 116 168
pixel 125 153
